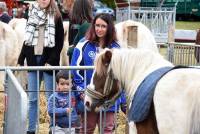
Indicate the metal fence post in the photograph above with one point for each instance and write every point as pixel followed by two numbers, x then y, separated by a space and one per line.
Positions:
pixel 16 112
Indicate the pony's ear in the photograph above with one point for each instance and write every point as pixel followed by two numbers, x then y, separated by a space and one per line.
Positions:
pixel 107 56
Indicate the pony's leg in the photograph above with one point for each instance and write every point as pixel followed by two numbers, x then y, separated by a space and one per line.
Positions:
pixel 132 128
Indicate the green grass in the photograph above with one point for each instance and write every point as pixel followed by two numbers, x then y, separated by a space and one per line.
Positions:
pixel 188 25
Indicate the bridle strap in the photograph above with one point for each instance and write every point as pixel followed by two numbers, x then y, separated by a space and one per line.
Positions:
pixel 106 91
pixel 107 87
pixel 93 93
pixel 109 82
pixel 108 103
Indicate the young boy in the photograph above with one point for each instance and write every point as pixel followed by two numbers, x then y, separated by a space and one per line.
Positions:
pixel 61 106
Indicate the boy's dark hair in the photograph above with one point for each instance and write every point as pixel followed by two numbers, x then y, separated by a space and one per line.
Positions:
pixel 62 74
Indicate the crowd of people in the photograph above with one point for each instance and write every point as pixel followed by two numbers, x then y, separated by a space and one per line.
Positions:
pixel 43 42
pixel 4 17
pixel 20 12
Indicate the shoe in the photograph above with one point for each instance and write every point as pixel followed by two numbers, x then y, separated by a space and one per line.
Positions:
pixel 29 132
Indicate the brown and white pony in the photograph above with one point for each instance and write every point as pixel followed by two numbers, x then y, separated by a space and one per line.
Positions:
pixel 176 103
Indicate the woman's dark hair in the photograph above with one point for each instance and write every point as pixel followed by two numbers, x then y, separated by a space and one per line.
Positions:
pixel 81 12
pixel 111 33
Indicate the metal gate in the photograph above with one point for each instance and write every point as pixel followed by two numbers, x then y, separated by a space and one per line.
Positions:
pixel 183 54
pixel 15 119
pixel 160 20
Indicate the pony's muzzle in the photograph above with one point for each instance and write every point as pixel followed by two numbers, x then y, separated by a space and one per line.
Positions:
pixel 87 102
pixel 87 105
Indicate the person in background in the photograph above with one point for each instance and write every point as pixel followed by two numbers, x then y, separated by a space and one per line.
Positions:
pixel 20 12
pixel 65 8
pixel 80 20
pixel 43 43
pixel 4 17
pixel 100 35
pixel 60 102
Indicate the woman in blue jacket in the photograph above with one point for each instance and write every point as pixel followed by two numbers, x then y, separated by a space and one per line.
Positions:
pixel 101 35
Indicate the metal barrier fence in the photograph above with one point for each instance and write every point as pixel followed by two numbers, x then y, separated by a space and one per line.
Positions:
pixel 15 106
pixel 183 53
pixel 160 21
pixel 10 109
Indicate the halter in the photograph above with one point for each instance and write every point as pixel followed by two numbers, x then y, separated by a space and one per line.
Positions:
pixel 106 91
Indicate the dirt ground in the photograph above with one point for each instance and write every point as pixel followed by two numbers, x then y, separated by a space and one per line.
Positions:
pixel 44 118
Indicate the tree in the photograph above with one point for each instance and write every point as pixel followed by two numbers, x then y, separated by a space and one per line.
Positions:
pixel 109 3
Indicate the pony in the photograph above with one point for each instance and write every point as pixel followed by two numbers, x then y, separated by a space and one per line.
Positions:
pixel 18 25
pixel 175 104
pixel 9 49
pixel 135 34
pixel 13 36
pixel 9 36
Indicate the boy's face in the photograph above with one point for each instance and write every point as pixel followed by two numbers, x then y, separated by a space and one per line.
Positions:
pixel 64 85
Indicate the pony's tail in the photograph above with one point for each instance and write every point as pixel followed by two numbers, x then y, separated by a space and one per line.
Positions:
pixel 195 116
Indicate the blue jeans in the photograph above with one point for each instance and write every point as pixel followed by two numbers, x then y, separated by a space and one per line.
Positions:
pixel 34 91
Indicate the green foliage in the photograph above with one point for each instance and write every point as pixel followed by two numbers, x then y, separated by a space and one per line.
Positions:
pixel 109 3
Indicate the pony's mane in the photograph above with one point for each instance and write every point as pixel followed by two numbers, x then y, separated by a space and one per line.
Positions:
pixel 118 55
pixel 99 66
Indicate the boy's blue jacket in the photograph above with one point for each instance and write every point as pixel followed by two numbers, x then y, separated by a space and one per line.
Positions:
pixel 61 104
pixel 84 55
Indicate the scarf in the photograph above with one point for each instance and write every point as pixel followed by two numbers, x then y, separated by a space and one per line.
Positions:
pixel 38 17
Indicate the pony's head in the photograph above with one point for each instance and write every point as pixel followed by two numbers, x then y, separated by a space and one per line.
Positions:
pixel 103 88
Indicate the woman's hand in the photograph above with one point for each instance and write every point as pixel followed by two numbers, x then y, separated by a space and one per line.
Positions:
pixel 82 96
pixel 46 64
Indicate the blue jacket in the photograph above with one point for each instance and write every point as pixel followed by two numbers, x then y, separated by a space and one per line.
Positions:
pixel 84 55
pixel 61 104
